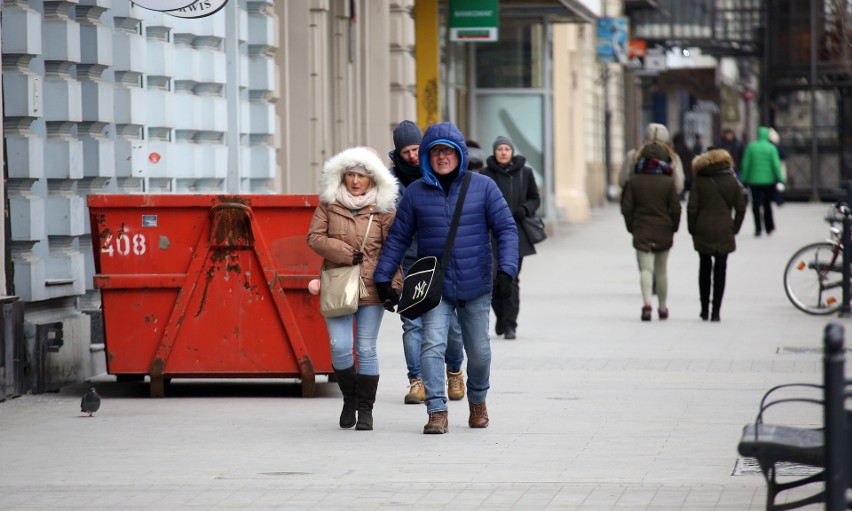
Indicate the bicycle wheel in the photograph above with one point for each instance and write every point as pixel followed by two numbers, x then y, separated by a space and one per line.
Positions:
pixel 813 278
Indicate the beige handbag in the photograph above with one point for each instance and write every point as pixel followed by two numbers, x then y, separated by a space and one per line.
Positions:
pixel 341 288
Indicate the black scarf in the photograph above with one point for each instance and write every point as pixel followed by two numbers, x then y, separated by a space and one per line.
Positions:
pixel 405 172
pixel 516 163
pixel 446 181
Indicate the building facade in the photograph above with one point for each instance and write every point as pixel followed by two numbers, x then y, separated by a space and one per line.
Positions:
pixel 107 97
pixel 104 96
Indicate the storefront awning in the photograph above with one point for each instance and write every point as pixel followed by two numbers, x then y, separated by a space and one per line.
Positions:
pixel 554 11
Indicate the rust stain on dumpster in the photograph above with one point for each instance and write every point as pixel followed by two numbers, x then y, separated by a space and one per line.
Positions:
pixel 207 279
pixel 231 228
pixel 224 199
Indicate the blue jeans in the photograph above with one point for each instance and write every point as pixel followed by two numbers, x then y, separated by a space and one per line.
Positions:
pixel 473 319
pixel 367 320
pixel 412 340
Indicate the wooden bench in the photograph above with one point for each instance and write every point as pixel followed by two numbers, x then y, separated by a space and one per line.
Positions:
pixel 826 448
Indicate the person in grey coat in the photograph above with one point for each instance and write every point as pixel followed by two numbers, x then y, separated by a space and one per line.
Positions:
pixel 716 194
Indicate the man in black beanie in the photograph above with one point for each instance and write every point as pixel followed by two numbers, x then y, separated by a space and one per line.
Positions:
pixel 406 167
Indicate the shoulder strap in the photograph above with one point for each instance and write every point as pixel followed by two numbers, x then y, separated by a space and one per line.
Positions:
pixel 720 193
pixel 454 226
pixel 524 183
pixel 364 241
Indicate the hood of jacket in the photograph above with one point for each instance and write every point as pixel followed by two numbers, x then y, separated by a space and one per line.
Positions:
pixel 712 162
pixel 655 132
pixel 443 133
pixel 517 163
pixel 335 168
pixel 763 133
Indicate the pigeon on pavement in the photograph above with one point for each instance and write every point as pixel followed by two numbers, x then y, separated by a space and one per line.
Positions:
pixel 91 402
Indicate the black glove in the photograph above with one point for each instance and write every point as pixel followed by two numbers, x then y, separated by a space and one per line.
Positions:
pixel 519 213
pixel 388 295
pixel 357 257
pixel 502 285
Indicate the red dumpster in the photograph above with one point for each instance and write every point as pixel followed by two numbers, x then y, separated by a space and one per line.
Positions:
pixel 208 286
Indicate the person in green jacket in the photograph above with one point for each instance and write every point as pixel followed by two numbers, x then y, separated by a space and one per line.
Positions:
pixel 761 171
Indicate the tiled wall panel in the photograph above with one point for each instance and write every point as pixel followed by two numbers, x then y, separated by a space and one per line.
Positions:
pixel 95 47
pixel 63 157
pixel 27 219
pixel 24 156
pixel 22 93
pixel 98 101
pixel 98 155
pixel 21 29
pixel 62 99
pixel 106 96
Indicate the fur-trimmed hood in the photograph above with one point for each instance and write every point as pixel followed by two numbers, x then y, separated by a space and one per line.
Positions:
pixel 712 162
pixel 335 168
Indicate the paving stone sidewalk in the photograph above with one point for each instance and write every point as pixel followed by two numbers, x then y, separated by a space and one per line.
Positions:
pixel 590 408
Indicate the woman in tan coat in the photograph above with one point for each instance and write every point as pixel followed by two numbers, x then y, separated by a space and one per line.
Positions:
pixel 356 186
pixel 715 195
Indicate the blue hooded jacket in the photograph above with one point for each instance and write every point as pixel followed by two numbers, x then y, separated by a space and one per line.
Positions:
pixel 427 211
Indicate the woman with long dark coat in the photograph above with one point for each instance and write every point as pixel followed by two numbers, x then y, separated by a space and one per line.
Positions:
pixel 516 181
pixel 715 195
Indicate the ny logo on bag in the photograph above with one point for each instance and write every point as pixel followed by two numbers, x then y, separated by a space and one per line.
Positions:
pixel 419 290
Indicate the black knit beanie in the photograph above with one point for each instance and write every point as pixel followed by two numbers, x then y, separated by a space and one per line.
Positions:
pixel 406 134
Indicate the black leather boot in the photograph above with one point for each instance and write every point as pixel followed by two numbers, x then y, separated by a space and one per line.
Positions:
pixel 718 292
pixel 367 385
pixel 346 380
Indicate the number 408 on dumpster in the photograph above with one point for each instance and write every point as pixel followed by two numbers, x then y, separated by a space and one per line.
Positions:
pixel 124 244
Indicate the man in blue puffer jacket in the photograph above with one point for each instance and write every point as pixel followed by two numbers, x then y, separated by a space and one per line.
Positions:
pixel 426 209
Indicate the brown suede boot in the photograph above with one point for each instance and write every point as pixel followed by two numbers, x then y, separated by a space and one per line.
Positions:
pixel 416 392
pixel 437 424
pixel 478 415
pixel 455 385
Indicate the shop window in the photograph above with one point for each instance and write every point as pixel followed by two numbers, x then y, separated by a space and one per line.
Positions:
pixel 516 60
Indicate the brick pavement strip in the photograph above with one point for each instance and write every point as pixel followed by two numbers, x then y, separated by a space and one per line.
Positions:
pixel 591 409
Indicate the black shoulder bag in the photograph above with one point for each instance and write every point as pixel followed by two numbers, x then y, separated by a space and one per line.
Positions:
pixel 533 226
pixel 424 282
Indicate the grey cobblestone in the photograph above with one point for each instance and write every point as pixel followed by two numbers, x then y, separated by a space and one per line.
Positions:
pixel 591 409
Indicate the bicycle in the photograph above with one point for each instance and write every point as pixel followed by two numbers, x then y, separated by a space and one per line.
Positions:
pixel 813 278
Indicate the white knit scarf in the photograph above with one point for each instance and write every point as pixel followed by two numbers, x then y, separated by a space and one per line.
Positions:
pixel 355 202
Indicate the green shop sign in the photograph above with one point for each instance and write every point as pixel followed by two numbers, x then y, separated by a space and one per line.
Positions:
pixel 473 20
